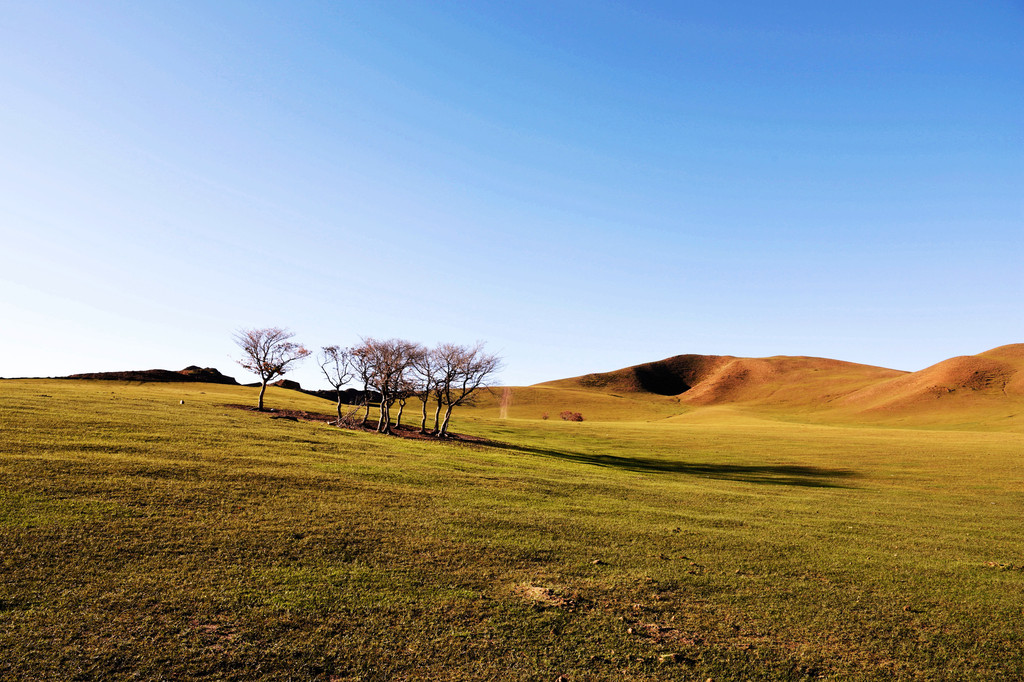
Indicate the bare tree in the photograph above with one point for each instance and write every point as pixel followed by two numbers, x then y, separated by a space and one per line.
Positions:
pixel 446 360
pixel 463 370
pixel 405 390
pixel 336 364
pixel 403 356
pixel 389 364
pixel 362 366
pixel 425 372
pixel 268 353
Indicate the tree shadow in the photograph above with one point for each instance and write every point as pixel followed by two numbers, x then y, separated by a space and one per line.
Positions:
pixel 771 474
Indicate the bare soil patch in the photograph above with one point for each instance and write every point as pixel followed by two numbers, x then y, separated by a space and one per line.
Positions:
pixel 404 431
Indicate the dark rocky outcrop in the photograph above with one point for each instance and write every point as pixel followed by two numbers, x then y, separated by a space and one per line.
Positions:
pixel 209 375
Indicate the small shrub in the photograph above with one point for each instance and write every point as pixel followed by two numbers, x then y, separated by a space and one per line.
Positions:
pixel 570 416
pixel 544 416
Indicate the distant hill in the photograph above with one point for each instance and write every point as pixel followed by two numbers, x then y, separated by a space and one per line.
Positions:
pixel 213 376
pixel 995 376
pixel 208 375
pixel 716 379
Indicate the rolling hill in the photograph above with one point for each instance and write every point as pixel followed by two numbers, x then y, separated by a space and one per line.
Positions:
pixel 987 385
pixel 719 379
pixel 965 382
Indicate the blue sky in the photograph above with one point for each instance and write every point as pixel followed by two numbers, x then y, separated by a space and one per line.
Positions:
pixel 583 185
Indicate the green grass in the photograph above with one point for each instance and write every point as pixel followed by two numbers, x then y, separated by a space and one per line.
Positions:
pixel 144 538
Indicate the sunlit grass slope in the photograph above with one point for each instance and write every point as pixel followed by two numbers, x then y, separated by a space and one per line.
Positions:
pixel 534 402
pixel 141 537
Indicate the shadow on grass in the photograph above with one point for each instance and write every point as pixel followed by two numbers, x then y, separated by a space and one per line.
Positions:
pixel 773 474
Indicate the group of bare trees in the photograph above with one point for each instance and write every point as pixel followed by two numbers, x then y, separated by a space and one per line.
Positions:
pixel 391 371
pixel 397 370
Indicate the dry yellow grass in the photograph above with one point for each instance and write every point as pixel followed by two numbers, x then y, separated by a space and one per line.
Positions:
pixel 152 538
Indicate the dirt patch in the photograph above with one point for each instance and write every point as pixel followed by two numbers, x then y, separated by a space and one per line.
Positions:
pixel 542 597
pixel 404 431
pixel 539 595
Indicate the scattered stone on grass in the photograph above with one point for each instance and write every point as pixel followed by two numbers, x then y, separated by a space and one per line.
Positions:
pixel 1003 567
pixel 675 657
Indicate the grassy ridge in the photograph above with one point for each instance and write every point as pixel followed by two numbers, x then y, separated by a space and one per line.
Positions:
pixel 139 536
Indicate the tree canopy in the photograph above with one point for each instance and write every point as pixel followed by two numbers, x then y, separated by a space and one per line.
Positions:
pixel 269 353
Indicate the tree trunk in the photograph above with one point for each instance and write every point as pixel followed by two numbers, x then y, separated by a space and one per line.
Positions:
pixel 384 423
pixel 437 418
pixel 398 417
pixel 444 426
pixel 263 389
pixel 423 422
pixel 366 401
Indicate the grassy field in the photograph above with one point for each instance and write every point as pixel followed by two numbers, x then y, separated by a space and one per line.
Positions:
pixel 144 538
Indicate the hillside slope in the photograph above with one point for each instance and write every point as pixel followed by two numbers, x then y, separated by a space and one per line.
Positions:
pixel 990 377
pixel 718 379
pixel 975 389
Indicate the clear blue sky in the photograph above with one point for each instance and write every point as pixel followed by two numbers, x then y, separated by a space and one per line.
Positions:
pixel 583 185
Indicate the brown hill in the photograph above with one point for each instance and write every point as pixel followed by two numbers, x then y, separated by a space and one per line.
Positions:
pixel 670 376
pixel 717 379
pixel 208 375
pixel 784 381
pixel 993 379
pixel 997 374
